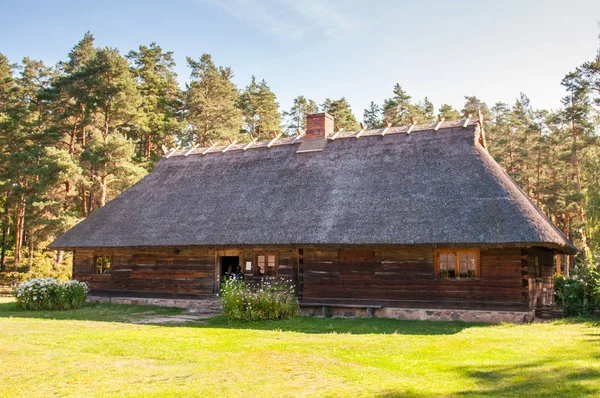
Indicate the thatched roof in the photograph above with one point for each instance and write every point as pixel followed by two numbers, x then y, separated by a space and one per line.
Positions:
pixel 428 187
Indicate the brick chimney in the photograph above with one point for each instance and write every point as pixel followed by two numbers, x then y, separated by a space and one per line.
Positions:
pixel 319 125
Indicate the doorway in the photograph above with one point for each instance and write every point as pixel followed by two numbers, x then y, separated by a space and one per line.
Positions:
pixel 229 265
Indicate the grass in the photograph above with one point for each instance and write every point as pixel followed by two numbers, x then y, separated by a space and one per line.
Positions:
pixel 99 351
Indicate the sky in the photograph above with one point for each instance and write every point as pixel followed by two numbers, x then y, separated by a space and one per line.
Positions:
pixel 443 50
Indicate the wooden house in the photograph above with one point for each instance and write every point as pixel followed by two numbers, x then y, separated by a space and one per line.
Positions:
pixel 414 222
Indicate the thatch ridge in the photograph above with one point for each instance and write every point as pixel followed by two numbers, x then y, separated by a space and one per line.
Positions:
pixel 291 140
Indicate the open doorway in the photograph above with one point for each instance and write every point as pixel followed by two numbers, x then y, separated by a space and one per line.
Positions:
pixel 229 265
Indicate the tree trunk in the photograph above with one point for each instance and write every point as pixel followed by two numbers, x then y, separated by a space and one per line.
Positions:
pixel 5 233
pixel 19 230
pixel 567 232
pixel 84 206
pixel 59 257
pixel 148 145
pixel 31 252
pixel 72 140
pixel 82 107
pixel 538 166
pixel 103 190
pixel 91 202
pixel 577 171
pixel 106 125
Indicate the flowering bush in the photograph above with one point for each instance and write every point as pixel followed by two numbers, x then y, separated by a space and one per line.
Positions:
pixel 271 299
pixel 49 294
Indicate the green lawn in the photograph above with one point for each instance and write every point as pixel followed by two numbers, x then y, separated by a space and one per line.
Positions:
pixel 100 350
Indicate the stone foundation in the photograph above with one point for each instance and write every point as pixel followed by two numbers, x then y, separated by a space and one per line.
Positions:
pixel 213 307
pixel 419 314
pixel 195 306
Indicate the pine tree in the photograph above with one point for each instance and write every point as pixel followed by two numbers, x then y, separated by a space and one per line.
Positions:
pixel 449 113
pixel 400 111
pixel 7 101
pixel 26 137
pixel 161 99
pixel 474 106
pixel 210 102
pixel 579 135
pixel 80 55
pixel 296 116
pixel 426 109
pixel 372 116
pixel 340 110
pixel 113 96
pixel 499 136
pixel 112 164
pixel 260 110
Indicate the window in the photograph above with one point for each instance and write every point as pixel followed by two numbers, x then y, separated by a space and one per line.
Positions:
pixel 102 265
pixel 266 264
pixel 457 264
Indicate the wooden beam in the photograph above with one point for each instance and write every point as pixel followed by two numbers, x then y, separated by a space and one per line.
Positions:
pixel 412 125
pixel 273 140
pixel 173 150
pixel 440 121
pixel 467 119
pixel 361 132
pixel 333 137
pixel 231 143
pixel 248 145
pixel 190 150
pixel 208 149
pixel 387 127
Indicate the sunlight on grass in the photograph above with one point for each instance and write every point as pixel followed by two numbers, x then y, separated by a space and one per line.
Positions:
pixel 97 351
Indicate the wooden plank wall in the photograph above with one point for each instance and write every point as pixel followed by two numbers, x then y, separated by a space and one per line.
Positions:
pixel 180 273
pixel 405 278
pixel 175 273
pixel 402 277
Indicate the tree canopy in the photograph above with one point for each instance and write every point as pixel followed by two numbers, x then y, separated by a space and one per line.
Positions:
pixel 75 135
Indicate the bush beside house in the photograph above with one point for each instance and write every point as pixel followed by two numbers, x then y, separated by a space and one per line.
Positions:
pixel 579 294
pixel 50 294
pixel 271 299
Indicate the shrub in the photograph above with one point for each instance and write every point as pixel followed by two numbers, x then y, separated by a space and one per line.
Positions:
pixel 271 299
pixel 580 293
pixel 49 294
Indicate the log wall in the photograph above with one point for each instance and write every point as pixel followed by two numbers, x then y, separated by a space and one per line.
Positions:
pixel 184 273
pixel 395 277
pixel 405 278
pixel 158 272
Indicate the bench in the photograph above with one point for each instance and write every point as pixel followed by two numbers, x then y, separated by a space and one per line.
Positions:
pixel 325 307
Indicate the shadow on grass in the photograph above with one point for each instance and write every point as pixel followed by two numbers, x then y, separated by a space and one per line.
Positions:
pixel 314 325
pixel 540 379
pixel 309 325
pixel 533 379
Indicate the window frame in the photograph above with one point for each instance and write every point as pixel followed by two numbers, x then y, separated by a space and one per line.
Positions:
pixel 266 254
pixel 457 253
pixel 95 261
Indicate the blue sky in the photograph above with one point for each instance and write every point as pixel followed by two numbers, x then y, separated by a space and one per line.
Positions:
pixel 357 49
